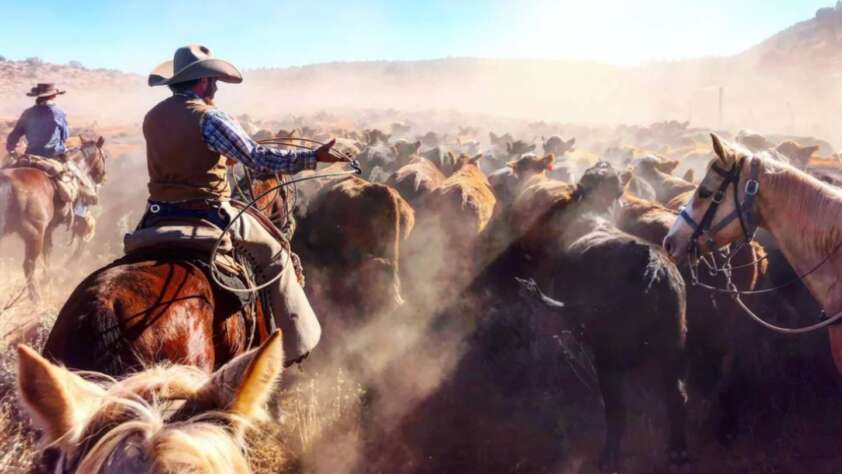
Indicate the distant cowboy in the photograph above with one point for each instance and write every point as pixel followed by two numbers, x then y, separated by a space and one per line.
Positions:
pixel 189 143
pixel 44 125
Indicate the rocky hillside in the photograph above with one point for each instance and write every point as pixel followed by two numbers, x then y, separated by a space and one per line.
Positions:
pixel 86 88
pixel 815 43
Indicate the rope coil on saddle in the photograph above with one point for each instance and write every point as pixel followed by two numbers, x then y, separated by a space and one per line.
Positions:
pixel 744 212
pixel 289 142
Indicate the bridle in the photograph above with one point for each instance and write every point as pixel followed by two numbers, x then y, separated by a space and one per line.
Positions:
pixel 744 212
pixel 93 162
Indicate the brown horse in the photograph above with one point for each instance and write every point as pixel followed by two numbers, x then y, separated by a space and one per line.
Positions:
pixel 149 309
pixel 29 201
pixel 801 212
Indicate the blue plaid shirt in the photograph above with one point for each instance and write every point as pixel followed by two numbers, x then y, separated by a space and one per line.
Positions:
pixel 225 136
pixel 45 128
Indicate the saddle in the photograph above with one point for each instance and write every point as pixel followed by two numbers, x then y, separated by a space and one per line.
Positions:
pixel 193 240
pixel 72 194
pixel 189 235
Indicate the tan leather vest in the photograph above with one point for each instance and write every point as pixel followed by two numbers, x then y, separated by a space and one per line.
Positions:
pixel 181 166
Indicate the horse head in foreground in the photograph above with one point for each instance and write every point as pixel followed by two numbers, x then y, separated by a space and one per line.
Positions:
pixel 163 420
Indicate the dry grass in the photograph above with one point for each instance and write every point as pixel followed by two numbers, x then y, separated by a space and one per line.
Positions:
pixel 307 409
pixel 21 323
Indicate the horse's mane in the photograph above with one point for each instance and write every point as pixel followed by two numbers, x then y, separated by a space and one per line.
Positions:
pixel 807 196
pixel 136 409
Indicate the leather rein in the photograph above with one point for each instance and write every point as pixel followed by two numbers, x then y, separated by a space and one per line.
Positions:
pixel 744 212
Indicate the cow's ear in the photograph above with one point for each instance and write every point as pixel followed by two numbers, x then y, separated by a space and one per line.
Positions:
pixel 625 177
pixel 548 161
pixel 667 166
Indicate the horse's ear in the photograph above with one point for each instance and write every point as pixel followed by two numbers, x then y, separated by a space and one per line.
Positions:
pixel 56 399
pixel 475 159
pixel 722 149
pixel 100 142
pixel 689 176
pixel 417 146
pixel 243 386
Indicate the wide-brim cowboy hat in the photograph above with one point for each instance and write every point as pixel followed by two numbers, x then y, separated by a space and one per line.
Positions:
pixel 194 62
pixel 44 90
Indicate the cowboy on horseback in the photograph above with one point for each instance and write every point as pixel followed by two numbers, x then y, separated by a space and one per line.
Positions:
pixel 189 145
pixel 44 125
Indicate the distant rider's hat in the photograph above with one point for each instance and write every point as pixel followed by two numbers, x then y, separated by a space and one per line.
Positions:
pixel 194 62
pixel 44 90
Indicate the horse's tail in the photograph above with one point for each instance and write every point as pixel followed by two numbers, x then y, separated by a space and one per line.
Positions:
pixel 5 202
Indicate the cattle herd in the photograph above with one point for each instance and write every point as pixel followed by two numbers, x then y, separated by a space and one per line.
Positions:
pixel 444 226
pixel 510 290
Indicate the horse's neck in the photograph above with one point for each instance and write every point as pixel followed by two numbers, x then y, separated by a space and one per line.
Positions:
pixel 805 217
pixel 268 202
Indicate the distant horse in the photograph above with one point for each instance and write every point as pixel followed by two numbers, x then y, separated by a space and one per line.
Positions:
pixel 151 308
pixel 803 214
pixel 164 419
pixel 29 201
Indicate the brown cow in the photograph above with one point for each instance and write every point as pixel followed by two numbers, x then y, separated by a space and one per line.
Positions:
pixel 416 180
pixel 658 174
pixel 350 243
pixel 508 182
pixel 799 156
pixel 404 150
pixel 532 215
pixel 465 196
pixel 557 146
pixel 452 218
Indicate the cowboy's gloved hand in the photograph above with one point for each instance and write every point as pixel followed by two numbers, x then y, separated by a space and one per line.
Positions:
pixel 323 154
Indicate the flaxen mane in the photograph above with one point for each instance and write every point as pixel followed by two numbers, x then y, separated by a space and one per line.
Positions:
pixel 202 443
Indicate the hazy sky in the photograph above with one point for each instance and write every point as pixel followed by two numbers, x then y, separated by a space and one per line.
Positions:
pixel 135 35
